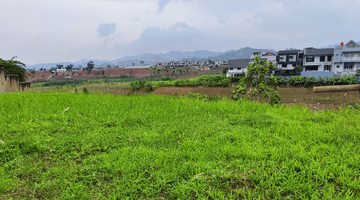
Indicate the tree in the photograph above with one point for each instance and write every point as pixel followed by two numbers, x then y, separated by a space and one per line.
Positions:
pixel 130 73
pixel 69 67
pixel 256 76
pixel 102 72
pixel 141 62
pixel 59 66
pixel 90 66
pixel 41 69
pixel 14 67
pixel 133 64
pixel 297 69
pixel 83 69
pixel 108 67
pixel 224 70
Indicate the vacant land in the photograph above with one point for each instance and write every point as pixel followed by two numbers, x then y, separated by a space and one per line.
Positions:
pixel 289 95
pixel 62 145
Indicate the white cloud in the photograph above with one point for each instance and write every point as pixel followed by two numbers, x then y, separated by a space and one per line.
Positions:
pixel 66 30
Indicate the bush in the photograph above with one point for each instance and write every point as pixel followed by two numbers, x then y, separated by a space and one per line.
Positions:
pixel 203 97
pixel 142 84
pixel 85 91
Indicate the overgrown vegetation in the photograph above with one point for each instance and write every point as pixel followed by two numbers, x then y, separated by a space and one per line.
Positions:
pixel 142 84
pixel 65 146
pixel 14 67
pixel 203 97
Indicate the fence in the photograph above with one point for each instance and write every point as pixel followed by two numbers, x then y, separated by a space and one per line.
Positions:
pixel 10 83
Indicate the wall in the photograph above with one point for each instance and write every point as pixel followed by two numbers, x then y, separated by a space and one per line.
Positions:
pixel 10 83
pixel 318 74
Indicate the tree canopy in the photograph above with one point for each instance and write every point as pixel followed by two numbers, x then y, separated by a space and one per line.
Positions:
pixel 14 67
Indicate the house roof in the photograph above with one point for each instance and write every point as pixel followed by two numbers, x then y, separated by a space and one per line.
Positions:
pixel 288 51
pixel 352 41
pixel 317 52
pixel 238 63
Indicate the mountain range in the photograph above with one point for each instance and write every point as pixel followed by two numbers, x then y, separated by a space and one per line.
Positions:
pixel 150 58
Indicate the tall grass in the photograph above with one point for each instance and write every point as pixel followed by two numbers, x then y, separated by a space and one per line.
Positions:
pixel 101 146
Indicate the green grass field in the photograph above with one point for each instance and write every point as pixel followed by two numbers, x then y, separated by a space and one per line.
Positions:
pixel 68 146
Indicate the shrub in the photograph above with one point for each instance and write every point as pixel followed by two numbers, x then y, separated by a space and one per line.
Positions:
pixel 85 91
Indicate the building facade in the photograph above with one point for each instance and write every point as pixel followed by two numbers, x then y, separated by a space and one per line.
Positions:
pixel 237 67
pixel 318 59
pixel 287 60
pixel 347 58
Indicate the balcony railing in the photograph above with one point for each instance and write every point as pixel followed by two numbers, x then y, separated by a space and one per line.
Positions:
pixel 345 49
pixel 351 59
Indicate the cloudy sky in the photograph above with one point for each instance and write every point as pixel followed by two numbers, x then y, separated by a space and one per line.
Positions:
pixel 42 31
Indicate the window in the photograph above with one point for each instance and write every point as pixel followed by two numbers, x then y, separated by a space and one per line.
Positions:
pixel 291 58
pixel 238 68
pixel 294 65
pixel 231 68
pixel 309 58
pixel 351 46
pixel 284 65
pixel 327 67
pixel 337 54
pixel 329 58
pixel 281 58
pixel 337 66
pixel 347 56
pixel 348 66
pixel 301 55
pixel 322 58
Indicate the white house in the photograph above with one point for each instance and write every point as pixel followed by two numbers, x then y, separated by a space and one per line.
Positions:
pixel 347 58
pixel 264 56
pixel 237 67
pixel 318 59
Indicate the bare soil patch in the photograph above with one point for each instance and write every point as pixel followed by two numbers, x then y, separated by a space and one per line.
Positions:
pixel 289 95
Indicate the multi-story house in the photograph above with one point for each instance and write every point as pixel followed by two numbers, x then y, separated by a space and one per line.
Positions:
pixel 263 56
pixel 347 58
pixel 237 67
pixel 318 59
pixel 287 60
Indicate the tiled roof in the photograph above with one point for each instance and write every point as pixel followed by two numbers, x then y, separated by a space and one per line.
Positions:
pixel 315 52
pixel 288 51
pixel 238 63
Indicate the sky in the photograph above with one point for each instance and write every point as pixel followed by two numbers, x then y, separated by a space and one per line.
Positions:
pixel 48 31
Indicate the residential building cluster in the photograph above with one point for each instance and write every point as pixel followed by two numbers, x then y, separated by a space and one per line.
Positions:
pixel 199 63
pixel 341 60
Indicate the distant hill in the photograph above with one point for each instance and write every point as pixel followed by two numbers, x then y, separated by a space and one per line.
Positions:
pixel 151 59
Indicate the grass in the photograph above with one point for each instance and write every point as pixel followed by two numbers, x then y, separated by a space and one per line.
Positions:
pixel 68 146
